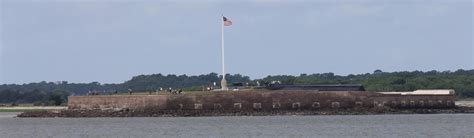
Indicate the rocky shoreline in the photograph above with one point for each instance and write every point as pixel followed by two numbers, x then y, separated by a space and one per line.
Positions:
pixel 197 113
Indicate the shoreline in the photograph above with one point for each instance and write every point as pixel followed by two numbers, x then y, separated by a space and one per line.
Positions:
pixel 31 108
pixel 210 113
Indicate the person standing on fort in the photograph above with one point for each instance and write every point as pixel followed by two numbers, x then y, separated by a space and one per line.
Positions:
pixel 129 91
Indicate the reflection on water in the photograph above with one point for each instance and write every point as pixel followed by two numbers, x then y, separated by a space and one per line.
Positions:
pixel 433 125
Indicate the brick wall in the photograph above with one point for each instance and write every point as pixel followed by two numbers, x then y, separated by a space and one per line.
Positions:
pixel 271 100
pixel 415 101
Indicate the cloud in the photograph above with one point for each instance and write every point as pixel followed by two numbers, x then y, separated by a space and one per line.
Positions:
pixel 152 9
pixel 433 9
pixel 359 9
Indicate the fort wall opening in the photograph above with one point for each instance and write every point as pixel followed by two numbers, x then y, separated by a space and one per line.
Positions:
pixel 267 100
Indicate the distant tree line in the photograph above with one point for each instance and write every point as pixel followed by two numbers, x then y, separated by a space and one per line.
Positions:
pixel 55 93
pixel 462 81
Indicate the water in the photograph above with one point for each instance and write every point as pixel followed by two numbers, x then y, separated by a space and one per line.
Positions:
pixel 433 125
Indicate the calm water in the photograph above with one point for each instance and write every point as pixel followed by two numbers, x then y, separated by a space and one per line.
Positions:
pixel 434 125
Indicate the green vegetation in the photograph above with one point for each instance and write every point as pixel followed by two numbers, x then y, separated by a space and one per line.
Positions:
pixel 55 93
pixel 50 93
pixel 461 80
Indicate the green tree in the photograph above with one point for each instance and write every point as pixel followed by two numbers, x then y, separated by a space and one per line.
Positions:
pixel 56 97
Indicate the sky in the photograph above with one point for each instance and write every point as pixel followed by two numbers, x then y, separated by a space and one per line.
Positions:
pixel 110 41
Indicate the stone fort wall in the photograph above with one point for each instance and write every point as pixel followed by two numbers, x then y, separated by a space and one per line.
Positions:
pixel 271 100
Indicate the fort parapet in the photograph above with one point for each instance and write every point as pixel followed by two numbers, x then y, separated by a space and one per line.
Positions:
pixel 266 100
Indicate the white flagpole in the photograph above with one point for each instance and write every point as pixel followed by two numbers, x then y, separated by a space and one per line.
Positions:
pixel 223 81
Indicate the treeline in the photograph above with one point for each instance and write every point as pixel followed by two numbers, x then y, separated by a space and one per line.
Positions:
pixel 37 97
pixel 47 93
pixel 156 81
pixel 54 93
pixel 462 81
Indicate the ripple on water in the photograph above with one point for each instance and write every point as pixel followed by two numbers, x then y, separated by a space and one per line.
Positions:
pixel 432 125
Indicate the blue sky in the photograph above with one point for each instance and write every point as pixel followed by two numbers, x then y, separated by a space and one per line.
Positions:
pixel 111 41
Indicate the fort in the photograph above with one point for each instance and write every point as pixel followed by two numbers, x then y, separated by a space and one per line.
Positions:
pixel 268 100
pixel 271 100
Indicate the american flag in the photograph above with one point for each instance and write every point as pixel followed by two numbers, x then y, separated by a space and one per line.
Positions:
pixel 227 22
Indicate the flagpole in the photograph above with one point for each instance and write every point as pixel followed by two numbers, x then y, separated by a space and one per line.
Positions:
pixel 223 81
